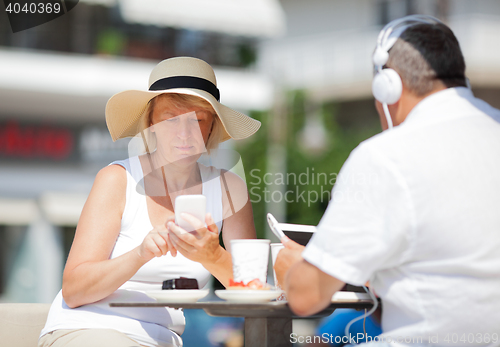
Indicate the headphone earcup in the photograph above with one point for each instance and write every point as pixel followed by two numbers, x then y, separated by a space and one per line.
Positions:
pixel 380 57
pixel 387 86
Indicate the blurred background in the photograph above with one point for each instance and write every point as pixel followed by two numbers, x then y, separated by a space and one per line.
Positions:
pixel 301 67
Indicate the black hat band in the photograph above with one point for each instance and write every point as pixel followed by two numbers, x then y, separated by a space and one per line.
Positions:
pixel 186 82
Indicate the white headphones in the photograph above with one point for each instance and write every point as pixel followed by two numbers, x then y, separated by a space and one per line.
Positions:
pixel 387 85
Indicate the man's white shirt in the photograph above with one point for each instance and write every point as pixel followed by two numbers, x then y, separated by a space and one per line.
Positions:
pixel 416 210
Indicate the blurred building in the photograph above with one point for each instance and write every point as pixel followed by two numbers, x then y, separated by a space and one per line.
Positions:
pixel 328 45
pixel 55 80
pixel 326 54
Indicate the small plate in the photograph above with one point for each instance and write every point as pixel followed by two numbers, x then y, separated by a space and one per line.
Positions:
pixel 178 295
pixel 349 296
pixel 248 296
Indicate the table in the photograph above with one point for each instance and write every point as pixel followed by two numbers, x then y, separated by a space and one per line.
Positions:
pixel 266 324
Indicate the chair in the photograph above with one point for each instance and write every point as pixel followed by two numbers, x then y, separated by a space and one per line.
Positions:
pixel 20 324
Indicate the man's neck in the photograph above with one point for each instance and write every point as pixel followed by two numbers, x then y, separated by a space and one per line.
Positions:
pixel 409 100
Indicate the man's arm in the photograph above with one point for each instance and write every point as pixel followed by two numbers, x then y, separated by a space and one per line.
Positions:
pixel 308 289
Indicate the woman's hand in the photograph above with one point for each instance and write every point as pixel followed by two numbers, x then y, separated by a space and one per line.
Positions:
pixel 201 246
pixel 155 244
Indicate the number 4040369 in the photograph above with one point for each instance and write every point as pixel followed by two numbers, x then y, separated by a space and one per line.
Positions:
pixel 33 7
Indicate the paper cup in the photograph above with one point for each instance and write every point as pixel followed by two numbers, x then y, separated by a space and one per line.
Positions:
pixel 275 248
pixel 250 259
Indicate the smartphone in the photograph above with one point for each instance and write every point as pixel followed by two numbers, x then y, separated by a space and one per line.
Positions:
pixel 273 224
pixel 195 205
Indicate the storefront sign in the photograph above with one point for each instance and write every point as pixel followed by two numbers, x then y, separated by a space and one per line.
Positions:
pixel 35 141
pixel 49 142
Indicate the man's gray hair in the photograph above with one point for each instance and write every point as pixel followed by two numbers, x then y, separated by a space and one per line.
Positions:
pixel 425 55
pixel 415 71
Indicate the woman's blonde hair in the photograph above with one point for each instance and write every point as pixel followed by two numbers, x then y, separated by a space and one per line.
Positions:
pixel 179 101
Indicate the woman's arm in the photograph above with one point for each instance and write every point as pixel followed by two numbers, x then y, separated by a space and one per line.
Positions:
pixel 89 274
pixel 238 223
pixel 238 214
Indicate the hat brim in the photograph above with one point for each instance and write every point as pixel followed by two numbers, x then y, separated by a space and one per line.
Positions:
pixel 125 109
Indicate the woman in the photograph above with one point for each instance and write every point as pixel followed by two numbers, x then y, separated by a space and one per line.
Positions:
pixel 126 242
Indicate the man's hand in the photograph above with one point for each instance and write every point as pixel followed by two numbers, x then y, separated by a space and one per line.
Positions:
pixel 308 289
pixel 291 254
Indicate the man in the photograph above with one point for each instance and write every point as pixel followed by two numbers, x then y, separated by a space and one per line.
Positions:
pixel 416 209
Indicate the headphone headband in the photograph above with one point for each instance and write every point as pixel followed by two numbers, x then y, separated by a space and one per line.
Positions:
pixel 392 31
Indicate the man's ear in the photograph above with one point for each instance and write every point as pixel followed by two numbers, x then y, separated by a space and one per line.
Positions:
pixel 393 109
pixel 400 110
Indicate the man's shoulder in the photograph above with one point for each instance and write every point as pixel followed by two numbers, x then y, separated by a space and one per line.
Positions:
pixel 486 108
pixel 384 141
pixel 390 147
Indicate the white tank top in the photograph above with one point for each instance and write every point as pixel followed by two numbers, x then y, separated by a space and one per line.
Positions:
pixel 148 326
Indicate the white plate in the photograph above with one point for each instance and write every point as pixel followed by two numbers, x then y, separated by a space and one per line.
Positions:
pixel 248 296
pixel 350 296
pixel 178 295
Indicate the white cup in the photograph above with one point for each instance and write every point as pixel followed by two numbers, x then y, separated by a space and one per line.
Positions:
pixel 275 248
pixel 250 259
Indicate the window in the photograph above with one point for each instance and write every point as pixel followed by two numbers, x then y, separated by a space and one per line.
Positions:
pixel 392 9
pixel 11 238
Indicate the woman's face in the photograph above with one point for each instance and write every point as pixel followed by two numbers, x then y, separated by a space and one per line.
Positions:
pixel 181 133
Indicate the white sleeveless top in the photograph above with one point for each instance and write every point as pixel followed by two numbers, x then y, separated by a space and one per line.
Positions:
pixel 148 326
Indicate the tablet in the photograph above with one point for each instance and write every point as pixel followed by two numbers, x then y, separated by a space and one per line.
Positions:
pixel 298 232
pixel 302 234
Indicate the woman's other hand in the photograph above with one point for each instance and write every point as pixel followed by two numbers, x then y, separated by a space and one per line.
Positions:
pixel 201 246
pixel 155 244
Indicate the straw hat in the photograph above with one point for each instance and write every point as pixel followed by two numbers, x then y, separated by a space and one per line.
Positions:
pixel 182 75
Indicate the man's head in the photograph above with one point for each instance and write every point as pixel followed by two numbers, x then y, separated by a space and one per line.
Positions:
pixel 428 58
pixel 425 54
